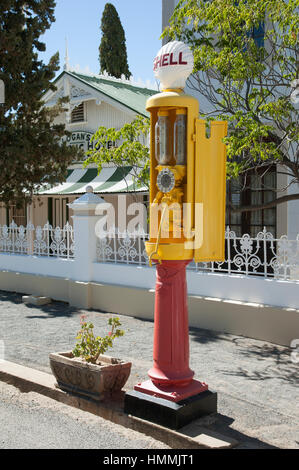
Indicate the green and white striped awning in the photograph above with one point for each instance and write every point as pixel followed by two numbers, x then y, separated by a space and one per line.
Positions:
pixel 110 180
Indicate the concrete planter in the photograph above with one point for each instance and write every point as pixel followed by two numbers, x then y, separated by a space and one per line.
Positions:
pixel 91 380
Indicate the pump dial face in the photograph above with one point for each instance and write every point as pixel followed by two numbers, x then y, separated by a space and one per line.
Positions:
pixel 165 180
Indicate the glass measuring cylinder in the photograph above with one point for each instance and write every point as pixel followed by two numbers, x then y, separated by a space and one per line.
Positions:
pixel 162 138
pixel 180 140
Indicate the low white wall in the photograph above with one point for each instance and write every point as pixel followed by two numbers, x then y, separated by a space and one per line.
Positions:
pixel 38 265
pixel 125 275
pixel 245 289
pixel 249 289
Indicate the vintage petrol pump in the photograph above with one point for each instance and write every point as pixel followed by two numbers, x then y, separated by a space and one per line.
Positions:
pixel 187 222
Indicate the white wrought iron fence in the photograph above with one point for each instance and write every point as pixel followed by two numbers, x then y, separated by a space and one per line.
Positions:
pixel 122 247
pixel 262 255
pixel 40 241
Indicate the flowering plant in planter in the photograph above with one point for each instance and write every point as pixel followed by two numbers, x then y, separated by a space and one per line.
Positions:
pixel 86 370
pixel 88 346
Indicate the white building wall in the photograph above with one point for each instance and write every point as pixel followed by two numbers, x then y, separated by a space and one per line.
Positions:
pixel 106 115
pixel 167 9
pixel 96 116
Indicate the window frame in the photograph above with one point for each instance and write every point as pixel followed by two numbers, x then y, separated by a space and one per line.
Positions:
pixel 246 224
pixel 72 121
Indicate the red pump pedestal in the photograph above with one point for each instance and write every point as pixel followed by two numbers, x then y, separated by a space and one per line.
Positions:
pixel 171 377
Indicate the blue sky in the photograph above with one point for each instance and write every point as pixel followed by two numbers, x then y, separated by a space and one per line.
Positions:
pixel 79 21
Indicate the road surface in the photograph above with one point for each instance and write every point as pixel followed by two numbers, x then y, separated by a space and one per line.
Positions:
pixel 32 421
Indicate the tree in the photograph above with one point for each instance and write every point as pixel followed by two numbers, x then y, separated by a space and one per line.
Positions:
pixel 31 151
pixel 124 147
pixel 246 58
pixel 113 51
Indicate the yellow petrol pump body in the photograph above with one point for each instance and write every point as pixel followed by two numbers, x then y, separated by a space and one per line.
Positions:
pixel 187 181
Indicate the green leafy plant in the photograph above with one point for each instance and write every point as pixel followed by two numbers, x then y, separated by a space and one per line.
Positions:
pixel 113 50
pixel 125 147
pixel 33 153
pixel 89 347
pixel 246 69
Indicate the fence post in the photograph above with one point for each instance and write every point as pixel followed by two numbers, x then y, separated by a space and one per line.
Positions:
pixel 84 221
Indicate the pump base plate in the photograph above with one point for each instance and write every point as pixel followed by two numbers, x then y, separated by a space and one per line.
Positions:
pixel 173 393
pixel 167 413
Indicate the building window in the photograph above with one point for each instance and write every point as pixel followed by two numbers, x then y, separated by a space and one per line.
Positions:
pixel 260 189
pixel 58 211
pixel 18 215
pixel 258 34
pixel 78 113
pixel 233 196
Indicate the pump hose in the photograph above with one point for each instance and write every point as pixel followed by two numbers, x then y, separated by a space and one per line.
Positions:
pixel 158 238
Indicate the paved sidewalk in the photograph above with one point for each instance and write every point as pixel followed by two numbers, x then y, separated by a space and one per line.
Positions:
pixel 256 381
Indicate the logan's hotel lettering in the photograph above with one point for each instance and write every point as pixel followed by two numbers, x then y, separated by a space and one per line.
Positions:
pixel 83 140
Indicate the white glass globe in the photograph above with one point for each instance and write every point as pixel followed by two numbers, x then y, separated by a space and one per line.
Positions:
pixel 173 65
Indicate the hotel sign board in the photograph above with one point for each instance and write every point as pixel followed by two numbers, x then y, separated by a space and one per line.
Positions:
pixel 82 139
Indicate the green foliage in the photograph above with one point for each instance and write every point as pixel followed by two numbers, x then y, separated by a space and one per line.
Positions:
pixel 90 347
pixel 113 51
pixel 31 154
pixel 128 149
pixel 245 81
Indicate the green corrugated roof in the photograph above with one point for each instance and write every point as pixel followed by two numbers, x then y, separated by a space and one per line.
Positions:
pixel 129 95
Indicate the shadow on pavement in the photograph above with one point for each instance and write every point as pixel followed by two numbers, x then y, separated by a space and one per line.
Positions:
pixel 202 336
pixel 54 309
pixel 13 297
pixel 262 351
pixel 290 374
pixel 223 424
pixel 276 360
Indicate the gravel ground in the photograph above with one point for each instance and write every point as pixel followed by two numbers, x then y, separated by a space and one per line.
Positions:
pixel 256 381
